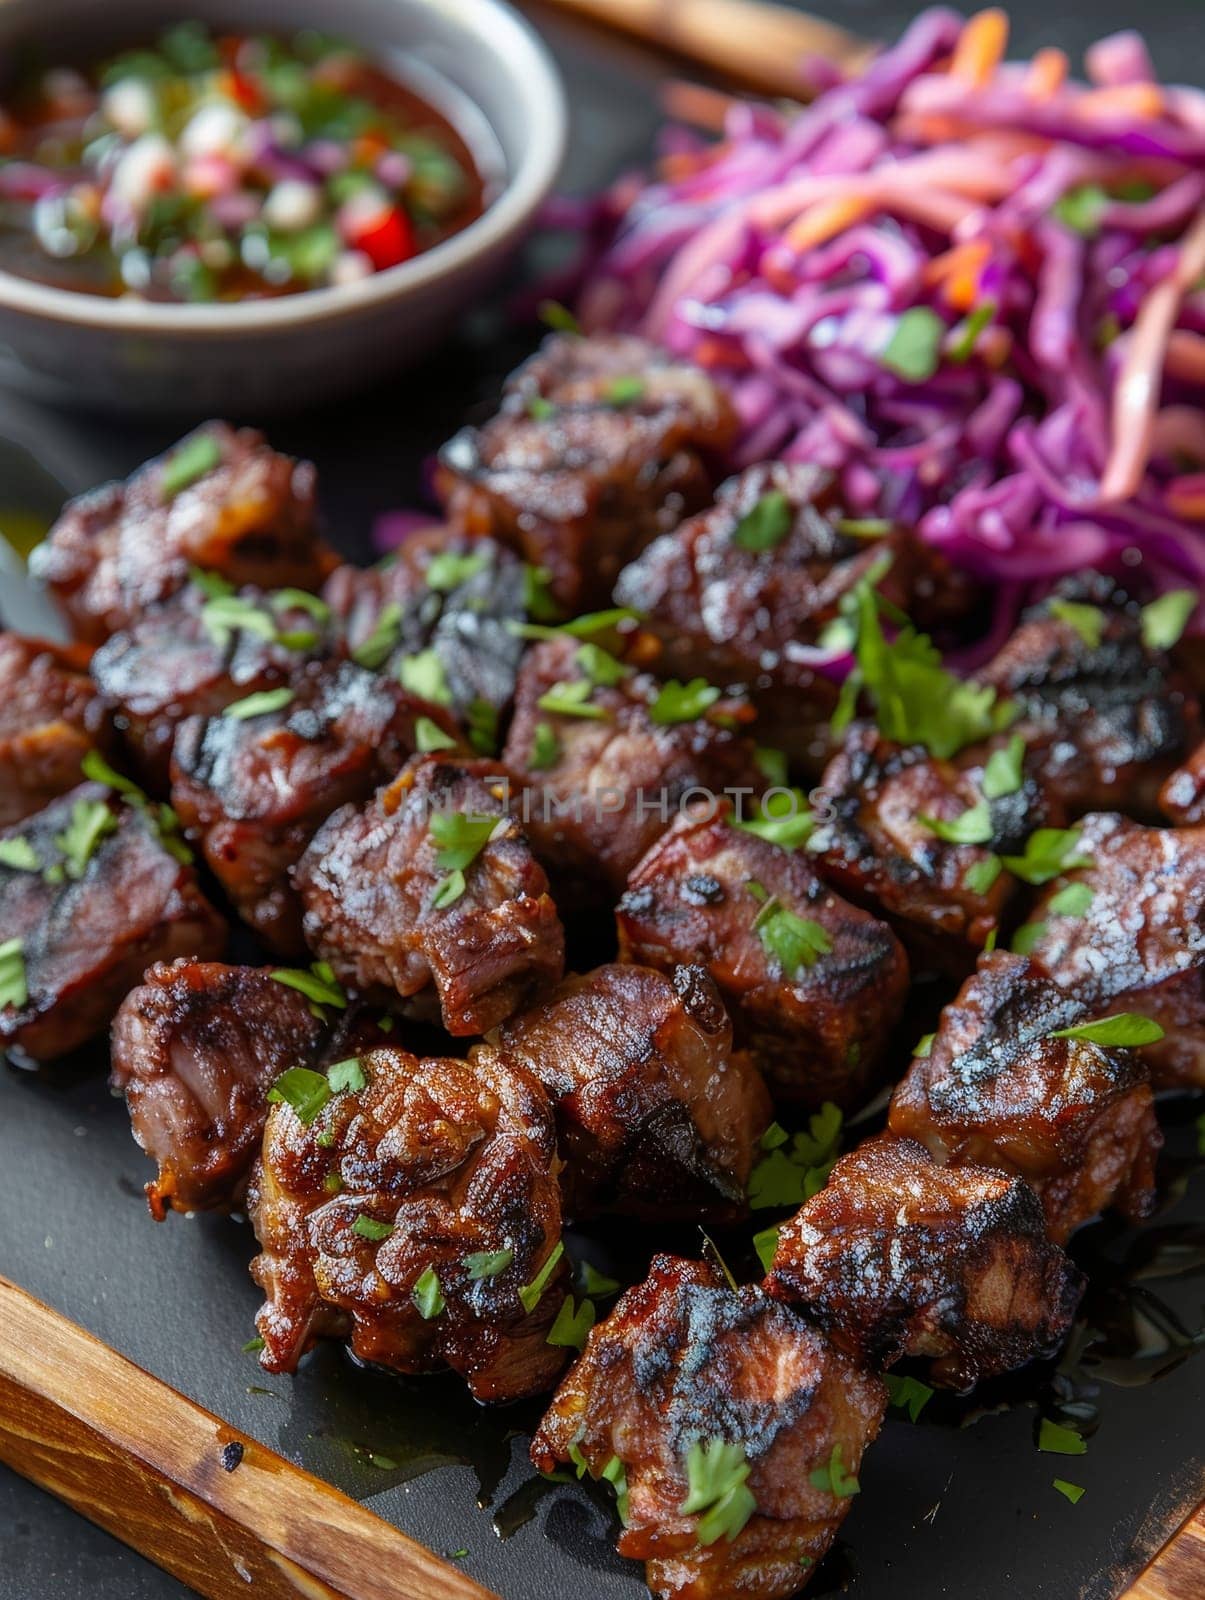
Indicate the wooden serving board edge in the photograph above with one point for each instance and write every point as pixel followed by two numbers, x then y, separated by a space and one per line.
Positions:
pixel 1177 1571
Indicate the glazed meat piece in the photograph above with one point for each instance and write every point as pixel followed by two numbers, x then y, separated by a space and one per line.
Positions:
pixel 407 1215
pixel 220 500
pixel 998 1090
pixel 195 1050
pixel 195 655
pixel 899 1257
pixel 741 593
pixel 814 985
pixel 1127 933
pixel 608 764
pixel 1109 718
pixel 687 1375
pixel 451 602
pixel 656 1115
pixel 872 841
pixel 50 717
pixel 92 891
pixel 463 945
pixel 253 788
pixel 599 445
pixel 1182 797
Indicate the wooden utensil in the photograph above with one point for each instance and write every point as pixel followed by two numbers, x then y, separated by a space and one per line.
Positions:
pixel 751 42
pixel 222 1512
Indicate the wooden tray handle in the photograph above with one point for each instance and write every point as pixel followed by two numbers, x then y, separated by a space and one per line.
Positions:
pixel 168 1478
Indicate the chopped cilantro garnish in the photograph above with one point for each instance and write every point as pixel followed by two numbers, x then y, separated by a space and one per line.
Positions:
pixel 717 1491
pixel 972 826
pixel 766 1244
pixel 259 705
pixel 783 818
pixel 333 1183
pixel 834 1478
pixel 91 821
pixel 346 1077
pixel 382 640
pixel 788 1177
pixel 539 409
pixel 369 1228
pixel 229 614
pixel 423 674
pixel 572 699
pixel 1048 852
pixel 447 570
pixel 95 766
pixel 319 984
pixel 766 524
pixel 682 702
pixel 914 350
pixel 624 390
pixel 1002 774
pixel 188 464
pixel 981 875
pixel 572 1324
pixel 14 989
pixel 1087 621
pixel 1071 901
pixel 531 1293
pixel 430 736
pixel 1027 936
pixel 427 1295
pixel 962 339
pixel 211 584
pixel 481 720
pixel 558 317
pixel 792 941
pixel 304 1090
pixel 909 1394
pixel 1126 1029
pixel 772 764
pixel 596 1284
pixel 1165 619
pixel 924 1045
pixel 1059 1441
pixel 252 1346
pixel 600 666
pixel 1081 208
pixel 487 1263
pixel 545 748
pixel 1073 1491
pixel 461 838
pixel 299 600
pixel 19 855
pixel 448 890
pixel 537 595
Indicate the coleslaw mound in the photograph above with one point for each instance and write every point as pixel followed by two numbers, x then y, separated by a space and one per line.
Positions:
pixel 974 288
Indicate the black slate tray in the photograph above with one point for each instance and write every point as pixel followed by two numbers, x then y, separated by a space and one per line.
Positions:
pixel 960 1503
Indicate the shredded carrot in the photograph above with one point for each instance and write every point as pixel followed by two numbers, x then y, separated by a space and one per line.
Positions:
pixel 1140 100
pixel 693 103
pixel 1047 73
pixel 981 47
pixel 820 223
pixel 1186 497
pixel 957 263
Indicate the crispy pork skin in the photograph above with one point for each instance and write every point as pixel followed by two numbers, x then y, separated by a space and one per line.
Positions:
pixel 599 445
pixel 241 511
pixel 684 1367
pixel 897 1256
pixel 1134 940
pixel 407 1215
pixel 103 893
pixel 607 774
pixel 252 790
pixel 1182 797
pixel 657 1116
pixel 814 985
pixel 1107 718
pixel 379 906
pixel 195 1050
pixel 996 1089
pixel 50 717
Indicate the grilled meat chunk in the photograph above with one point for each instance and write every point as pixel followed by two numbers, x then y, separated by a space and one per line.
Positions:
pixel 998 1090
pixel 814 985
pixel 1130 936
pixel 253 789
pixel 741 593
pixel 407 1216
pixel 599 445
pixel 1182 797
pixel 50 717
pixel 656 1115
pixel 382 905
pixel 221 500
pixel 451 602
pixel 609 765
pixel 1108 718
pixel 195 1050
pixel 873 842
pixel 899 1257
pixel 196 654
pixel 92 895
pixel 684 1369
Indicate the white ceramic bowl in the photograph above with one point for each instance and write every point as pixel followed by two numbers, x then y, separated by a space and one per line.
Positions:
pixel 305 348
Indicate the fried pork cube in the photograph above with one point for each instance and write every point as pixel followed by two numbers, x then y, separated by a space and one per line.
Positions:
pixel 253 784
pixel 197 654
pixel 1109 717
pixel 656 1115
pixel 997 1089
pixel 464 945
pixel 599 445
pixel 609 764
pixel 1127 933
pixel 732 1430
pixel 195 1050
pixel 1182 797
pixel 220 500
pixel 742 592
pixel 873 842
pixel 814 985
pixel 444 606
pixel 92 891
pixel 897 1256
pixel 50 717
pixel 416 1214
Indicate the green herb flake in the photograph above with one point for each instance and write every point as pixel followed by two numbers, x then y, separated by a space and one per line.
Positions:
pixel 914 350
pixel 961 345
pixel 188 464
pixel 572 699
pixel 299 600
pixel 908 1394
pixel 864 527
pixel 229 614
pixel 972 826
pixel 427 1296
pixel 14 987
pixel 595 1284
pixel 302 1089
pixel 834 1478
pixel 253 1346
pixel 717 1490
pixel 572 1325
pixel 793 942
pixel 1071 901
pixel 981 875
pixel 259 705
pixel 332 1183
pixel 1165 619
pixel 319 984
pixel 1059 1441
pixel 558 317
pixel 765 525
pixel 772 764
pixel 538 602
pixel 211 584
pixel 382 640
pixel 924 1046
pixel 1124 1030
pixel 461 838
pixel 19 855
pixel 1002 775
pixel 429 736
pixel 487 1263
pixel 346 1077
pixel 369 1228
pixel 1072 1491
pixel 95 766
pixel 448 890
pixel 791 1176
pixel 1087 621
pixel 600 666
pixel 382 1463
pixel 448 570
pixel 1048 852
pixel 531 1293
pixel 783 819
pixel 539 409
pixel 766 1245
pixel 682 702
pixel 1027 937
pixel 545 748
pixel 1081 208
pixel 423 674
pixel 624 390
pixel 91 821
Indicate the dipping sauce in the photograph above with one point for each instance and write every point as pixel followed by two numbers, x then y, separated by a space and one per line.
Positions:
pixel 226 167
